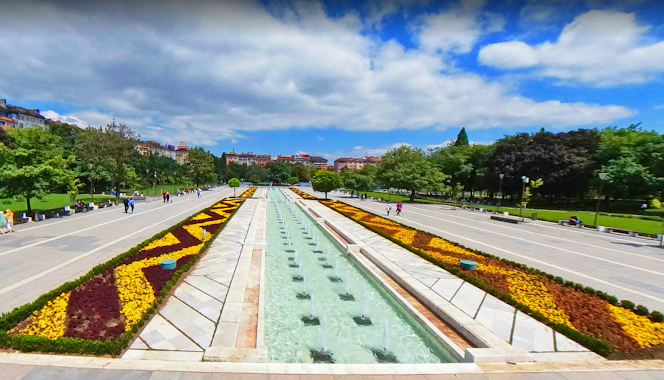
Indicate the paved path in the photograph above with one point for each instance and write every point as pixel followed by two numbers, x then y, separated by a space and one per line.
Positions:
pixel 629 268
pixel 41 256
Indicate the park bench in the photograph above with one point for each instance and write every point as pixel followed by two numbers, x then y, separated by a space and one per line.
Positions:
pixel 631 233
pixel 66 210
pixel 22 218
pixel 504 219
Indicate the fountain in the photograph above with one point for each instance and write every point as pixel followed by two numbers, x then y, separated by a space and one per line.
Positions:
pixel 347 296
pixel 336 277
pixel 364 320
pixel 300 276
pixel 311 320
pixel 317 250
pixel 296 262
pixel 304 295
pixel 322 355
pixel 290 249
pixel 327 264
pixel 384 355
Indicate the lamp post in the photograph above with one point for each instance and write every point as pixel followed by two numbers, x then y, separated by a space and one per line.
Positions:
pixel 92 190
pixel 602 178
pixel 501 175
pixel 525 180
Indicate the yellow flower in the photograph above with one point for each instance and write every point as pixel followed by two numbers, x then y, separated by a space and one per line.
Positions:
pixel 644 331
pixel 49 321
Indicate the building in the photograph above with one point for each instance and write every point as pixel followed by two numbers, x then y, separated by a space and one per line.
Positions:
pixel 354 163
pixel 181 153
pixel 22 117
pixel 248 158
pixel 7 122
pixel 153 147
pixel 304 159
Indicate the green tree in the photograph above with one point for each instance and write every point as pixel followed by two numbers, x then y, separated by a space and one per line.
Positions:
pixel 67 132
pixel 408 168
pixel 73 184
pixel 233 183
pixel 355 180
pixel 326 181
pixel 255 179
pixel 301 172
pixel 200 166
pixel 629 179
pixel 292 181
pixel 462 138
pixel 34 166
pixel 279 171
pixel 5 139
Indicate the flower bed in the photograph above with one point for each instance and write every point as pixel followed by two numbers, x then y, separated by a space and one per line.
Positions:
pixel 302 194
pixel 592 318
pixel 100 312
pixel 248 193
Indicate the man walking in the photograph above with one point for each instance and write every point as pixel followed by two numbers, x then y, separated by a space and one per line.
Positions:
pixel 168 197
pixel 10 220
pixel 163 196
pixel 125 201
pixel 131 204
pixel 388 207
pixel 199 192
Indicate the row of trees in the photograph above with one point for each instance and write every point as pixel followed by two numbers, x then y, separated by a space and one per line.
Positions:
pixel 564 166
pixel 65 158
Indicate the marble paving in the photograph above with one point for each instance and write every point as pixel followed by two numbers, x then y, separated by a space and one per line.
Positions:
pixel 514 327
pixel 184 326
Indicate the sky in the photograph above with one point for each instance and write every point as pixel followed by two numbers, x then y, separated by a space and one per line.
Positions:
pixel 336 78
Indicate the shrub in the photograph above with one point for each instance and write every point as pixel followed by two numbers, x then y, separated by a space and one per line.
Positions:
pixel 655 203
pixel 656 316
pixel 629 305
pixel 641 310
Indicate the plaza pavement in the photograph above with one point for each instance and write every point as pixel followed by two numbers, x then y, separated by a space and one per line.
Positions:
pixel 629 268
pixel 41 256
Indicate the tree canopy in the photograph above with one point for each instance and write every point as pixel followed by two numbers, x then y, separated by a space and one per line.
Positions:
pixel 408 168
pixel 200 166
pixel 326 181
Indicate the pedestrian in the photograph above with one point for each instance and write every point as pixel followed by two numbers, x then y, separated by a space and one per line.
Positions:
pixel 125 201
pixel 388 207
pixel 168 197
pixel 10 220
pixel 131 204
pixel 399 208
pixel 3 221
pixel 199 192
pixel 163 196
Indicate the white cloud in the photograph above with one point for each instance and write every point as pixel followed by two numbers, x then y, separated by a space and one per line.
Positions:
pixel 600 47
pixel 70 119
pixel 320 138
pixel 359 151
pixel 206 72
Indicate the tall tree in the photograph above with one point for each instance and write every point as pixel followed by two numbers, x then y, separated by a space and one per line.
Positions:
pixel 408 168
pixel 279 171
pixel 462 138
pixel 5 139
pixel 200 166
pixel 67 132
pixel 326 181
pixel 34 165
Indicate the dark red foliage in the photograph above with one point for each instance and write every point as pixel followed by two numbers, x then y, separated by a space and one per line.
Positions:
pixel 159 277
pixel 93 311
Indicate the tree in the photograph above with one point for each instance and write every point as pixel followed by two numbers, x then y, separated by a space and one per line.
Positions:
pixel 67 132
pixel 73 184
pixel 408 168
pixel 326 181
pixel 462 138
pixel 34 166
pixel 355 180
pixel 255 179
pixel 301 172
pixel 233 183
pixel 279 171
pixel 92 159
pixel 200 166
pixel 292 181
pixel 5 139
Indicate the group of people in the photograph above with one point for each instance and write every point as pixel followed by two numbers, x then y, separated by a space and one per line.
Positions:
pixel 166 196
pixel 128 203
pixel 6 221
pixel 388 207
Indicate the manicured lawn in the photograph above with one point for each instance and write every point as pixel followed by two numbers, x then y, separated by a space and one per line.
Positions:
pixel 48 202
pixel 627 222
pixel 158 190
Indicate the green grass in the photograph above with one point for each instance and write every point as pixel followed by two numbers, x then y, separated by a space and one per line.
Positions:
pixel 625 221
pixel 158 189
pixel 48 202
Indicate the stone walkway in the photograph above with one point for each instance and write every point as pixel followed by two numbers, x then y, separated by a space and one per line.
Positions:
pixel 186 323
pixel 512 326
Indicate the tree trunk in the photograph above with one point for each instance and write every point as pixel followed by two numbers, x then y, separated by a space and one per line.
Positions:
pixel 412 195
pixel 326 195
pixel 27 200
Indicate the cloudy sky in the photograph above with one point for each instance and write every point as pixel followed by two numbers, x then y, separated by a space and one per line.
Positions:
pixel 335 78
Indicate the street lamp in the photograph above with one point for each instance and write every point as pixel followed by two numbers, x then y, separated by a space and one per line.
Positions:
pixel 602 177
pixel 525 180
pixel 92 189
pixel 501 175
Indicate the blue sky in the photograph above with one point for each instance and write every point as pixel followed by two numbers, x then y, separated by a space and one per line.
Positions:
pixel 338 78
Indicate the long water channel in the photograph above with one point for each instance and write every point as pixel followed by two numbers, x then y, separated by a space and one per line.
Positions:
pixel 320 306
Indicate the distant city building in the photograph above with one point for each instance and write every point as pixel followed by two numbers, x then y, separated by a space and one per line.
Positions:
pixel 181 153
pixel 153 147
pixel 304 159
pixel 354 163
pixel 22 117
pixel 7 122
pixel 248 158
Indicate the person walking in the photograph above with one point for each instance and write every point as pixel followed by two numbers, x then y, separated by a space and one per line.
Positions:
pixel 3 221
pixel 125 201
pixel 168 197
pixel 388 207
pixel 10 220
pixel 131 204
pixel 399 208
pixel 199 192
pixel 163 196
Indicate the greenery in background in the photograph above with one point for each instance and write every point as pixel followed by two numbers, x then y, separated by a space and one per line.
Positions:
pixel 325 181
pixel 410 169
pixel 292 180
pixel 34 165
pixel 49 201
pixel 200 167
pixel 234 182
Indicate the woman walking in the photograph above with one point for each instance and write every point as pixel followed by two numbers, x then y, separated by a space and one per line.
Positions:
pixel 399 208
pixel 388 207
